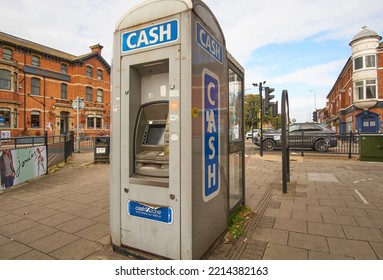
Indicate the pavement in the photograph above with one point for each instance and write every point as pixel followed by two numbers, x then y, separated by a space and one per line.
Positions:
pixel 333 210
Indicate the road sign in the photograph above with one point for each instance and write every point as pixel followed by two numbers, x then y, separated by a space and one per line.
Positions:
pixel 80 102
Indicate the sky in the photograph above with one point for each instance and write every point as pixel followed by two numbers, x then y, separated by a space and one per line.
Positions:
pixel 296 45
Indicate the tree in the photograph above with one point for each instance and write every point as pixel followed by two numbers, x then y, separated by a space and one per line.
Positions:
pixel 251 100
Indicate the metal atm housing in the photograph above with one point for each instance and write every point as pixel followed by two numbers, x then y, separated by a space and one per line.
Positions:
pixel 169 188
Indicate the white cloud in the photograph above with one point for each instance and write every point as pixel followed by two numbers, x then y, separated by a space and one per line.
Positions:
pixel 72 26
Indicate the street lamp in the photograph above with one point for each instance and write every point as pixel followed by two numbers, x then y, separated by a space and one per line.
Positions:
pixel 309 112
pixel 315 100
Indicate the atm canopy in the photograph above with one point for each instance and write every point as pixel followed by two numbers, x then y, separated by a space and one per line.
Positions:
pixel 152 10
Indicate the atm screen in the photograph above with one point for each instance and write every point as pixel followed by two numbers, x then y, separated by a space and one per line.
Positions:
pixel 156 135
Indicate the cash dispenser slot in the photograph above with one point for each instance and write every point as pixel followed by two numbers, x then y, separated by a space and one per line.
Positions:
pixel 152 142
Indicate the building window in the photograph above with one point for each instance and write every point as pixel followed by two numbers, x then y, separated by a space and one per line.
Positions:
pixel 358 63
pixel 364 90
pixel 35 119
pixel 370 89
pixel 35 86
pixel 99 95
pixel 15 118
pixel 6 114
pixel 90 122
pixel 64 91
pixel 368 61
pixel 7 54
pixel 89 71
pixel 64 68
pixel 99 74
pixel 89 94
pixel 5 79
pixel 99 122
pixel 15 82
pixel 35 61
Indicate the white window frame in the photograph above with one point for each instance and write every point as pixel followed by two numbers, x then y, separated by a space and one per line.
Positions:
pixel 364 60
pixel 360 87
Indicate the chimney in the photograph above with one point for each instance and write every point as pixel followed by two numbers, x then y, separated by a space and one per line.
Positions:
pixel 96 48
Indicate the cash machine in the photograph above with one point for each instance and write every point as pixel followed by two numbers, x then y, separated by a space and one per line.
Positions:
pixel 169 192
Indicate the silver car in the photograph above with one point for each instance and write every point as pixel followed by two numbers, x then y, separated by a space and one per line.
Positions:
pixel 307 135
pixel 248 134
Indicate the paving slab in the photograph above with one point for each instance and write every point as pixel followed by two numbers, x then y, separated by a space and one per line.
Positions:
pixel 12 250
pixel 281 252
pixel 34 233
pixel 361 233
pixel 291 225
pixel 308 241
pixel 271 235
pixel 331 218
pixel 323 229
pixel 34 255
pixel 359 250
pixel 307 216
pixel 53 242
pixel 77 250
pixel 378 249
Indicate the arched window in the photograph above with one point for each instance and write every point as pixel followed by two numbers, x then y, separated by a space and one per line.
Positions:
pixel 35 119
pixel 99 74
pixel 90 122
pixel 89 71
pixel 98 122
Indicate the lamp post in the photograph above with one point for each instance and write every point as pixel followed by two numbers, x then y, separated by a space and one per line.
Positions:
pixel 315 100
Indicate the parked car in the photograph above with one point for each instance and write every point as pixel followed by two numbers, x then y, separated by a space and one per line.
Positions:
pixel 315 136
pixel 248 134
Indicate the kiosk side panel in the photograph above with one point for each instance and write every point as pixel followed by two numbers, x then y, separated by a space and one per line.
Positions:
pixel 210 137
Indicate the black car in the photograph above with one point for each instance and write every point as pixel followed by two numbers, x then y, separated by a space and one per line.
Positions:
pixel 310 135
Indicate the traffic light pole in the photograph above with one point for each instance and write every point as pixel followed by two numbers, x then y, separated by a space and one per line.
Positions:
pixel 261 107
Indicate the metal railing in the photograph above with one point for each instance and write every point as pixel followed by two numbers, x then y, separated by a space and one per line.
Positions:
pixel 341 144
pixel 345 144
pixel 59 148
pixel 86 144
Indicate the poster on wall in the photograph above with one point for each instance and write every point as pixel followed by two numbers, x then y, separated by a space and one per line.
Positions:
pixel 18 166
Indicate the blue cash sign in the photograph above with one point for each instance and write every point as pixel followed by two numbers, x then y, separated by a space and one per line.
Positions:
pixel 151 36
pixel 209 43
pixel 210 135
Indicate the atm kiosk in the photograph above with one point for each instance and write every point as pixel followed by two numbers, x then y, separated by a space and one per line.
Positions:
pixel 169 187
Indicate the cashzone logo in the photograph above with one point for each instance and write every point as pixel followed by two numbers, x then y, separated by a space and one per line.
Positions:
pixel 153 35
pixel 210 135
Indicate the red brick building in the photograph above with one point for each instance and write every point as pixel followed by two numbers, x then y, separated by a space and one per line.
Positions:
pixel 38 85
pixel 355 103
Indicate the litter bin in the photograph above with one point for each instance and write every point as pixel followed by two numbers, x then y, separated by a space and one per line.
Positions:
pixel 371 147
pixel 101 149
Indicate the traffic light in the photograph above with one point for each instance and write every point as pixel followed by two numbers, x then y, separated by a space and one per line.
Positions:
pixel 315 116
pixel 268 97
pixel 275 109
